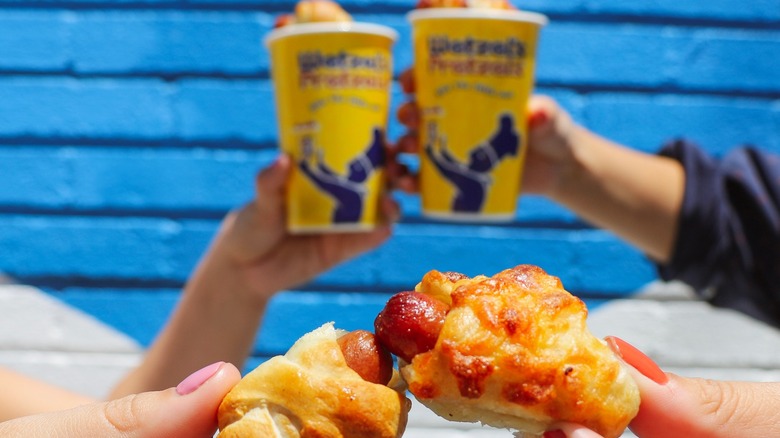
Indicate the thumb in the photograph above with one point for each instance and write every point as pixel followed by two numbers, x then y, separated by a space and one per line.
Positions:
pixel 188 410
pixel 542 110
pixel 258 226
pixel 270 182
pixel 674 406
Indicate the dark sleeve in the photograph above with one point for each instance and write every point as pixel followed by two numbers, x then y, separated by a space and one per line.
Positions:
pixel 728 236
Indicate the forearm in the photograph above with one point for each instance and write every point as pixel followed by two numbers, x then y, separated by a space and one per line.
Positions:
pixel 251 259
pixel 216 319
pixel 638 196
pixel 22 396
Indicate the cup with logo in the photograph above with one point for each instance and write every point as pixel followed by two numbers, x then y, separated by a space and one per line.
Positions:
pixel 474 72
pixel 332 89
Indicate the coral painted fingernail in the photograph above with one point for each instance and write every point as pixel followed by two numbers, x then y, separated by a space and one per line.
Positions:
pixel 537 119
pixel 637 359
pixel 554 434
pixel 198 378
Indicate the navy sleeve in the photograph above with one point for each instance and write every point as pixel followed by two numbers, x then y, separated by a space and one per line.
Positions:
pixel 728 236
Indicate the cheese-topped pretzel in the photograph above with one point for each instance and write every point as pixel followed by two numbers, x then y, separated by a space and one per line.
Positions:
pixel 511 350
pixel 313 391
pixel 476 4
pixel 314 11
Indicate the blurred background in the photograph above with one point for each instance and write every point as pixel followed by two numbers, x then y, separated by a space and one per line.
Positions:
pixel 128 128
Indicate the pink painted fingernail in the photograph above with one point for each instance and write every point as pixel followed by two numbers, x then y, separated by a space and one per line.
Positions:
pixel 198 378
pixel 280 161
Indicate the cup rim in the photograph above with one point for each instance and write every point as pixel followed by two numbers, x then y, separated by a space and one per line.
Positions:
pixel 490 14
pixel 330 27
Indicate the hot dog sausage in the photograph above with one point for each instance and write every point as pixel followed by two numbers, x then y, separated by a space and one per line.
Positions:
pixel 366 356
pixel 410 324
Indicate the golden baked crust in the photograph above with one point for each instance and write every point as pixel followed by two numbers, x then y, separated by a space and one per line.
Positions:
pixel 313 11
pixel 515 352
pixel 312 392
pixel 474 4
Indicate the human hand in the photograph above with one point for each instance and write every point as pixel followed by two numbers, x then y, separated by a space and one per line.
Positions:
pixel 255 244
pixel 251 258
pixel 189 410
pixel 674 406
pixel 549 157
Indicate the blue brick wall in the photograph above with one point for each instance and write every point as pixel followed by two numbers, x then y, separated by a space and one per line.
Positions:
pixel 128 129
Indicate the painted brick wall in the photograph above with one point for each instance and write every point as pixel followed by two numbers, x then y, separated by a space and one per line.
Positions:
pixel 128 128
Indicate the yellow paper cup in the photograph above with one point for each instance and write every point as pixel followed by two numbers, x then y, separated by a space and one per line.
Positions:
pixel 474 72
pixel 332 88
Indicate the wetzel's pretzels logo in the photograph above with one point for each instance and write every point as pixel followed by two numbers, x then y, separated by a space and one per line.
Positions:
pixel 343 70
pixel 474 56
pixel 510 48
pixel 314 60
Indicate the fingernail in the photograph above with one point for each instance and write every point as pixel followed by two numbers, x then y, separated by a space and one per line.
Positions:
pixel 537 119
pixel 554 434
pixel 280 161
pixel 637 359
pixel 198 378
pixel 584 433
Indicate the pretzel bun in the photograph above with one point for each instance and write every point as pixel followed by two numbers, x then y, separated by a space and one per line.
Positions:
pixel 314 11
pixel 473 4
pixel 312 392
pixel 514 352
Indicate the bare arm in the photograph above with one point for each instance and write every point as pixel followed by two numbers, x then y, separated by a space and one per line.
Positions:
pixel 216 319
pixel 251 258
pixel 636 195
pixel 22 395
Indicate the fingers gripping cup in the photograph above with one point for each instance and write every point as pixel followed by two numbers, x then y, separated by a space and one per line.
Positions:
pixel 474 70
pixel 332 85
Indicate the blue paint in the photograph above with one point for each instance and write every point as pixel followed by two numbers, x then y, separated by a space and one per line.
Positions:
pixel 127 130
pixel 141 313
pixel 138 313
